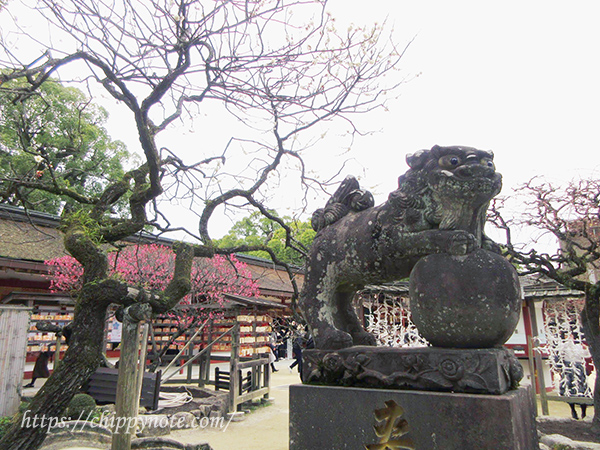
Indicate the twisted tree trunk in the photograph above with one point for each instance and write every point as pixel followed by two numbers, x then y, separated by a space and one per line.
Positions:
pixel 590 319
pixel 81 360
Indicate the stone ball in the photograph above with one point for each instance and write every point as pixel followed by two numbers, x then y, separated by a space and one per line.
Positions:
pixel 468 301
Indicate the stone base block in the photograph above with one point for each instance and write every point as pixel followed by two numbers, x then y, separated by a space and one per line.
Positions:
pixel 336 418
pixel 476 371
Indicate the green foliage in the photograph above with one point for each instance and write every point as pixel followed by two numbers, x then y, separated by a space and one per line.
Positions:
pixel 5 423
pixel 55 136
pixel 258 230
pixel 255 405
pixel 84 222
pixel 24 406
pixel 302 232
pixel 81 406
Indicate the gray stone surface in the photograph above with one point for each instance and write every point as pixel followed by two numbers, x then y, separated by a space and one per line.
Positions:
pixel 83 432
pixel 151 425
pixel 238 416
pixel 80 434
pixel 198 413
pixel 465 301
pixel 439 207
pixel 562 442
pixel 183 420
pixel 486 371
pixel 335 418
pixel 165 444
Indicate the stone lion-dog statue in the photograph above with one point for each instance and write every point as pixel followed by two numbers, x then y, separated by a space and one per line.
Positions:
pixel 439 207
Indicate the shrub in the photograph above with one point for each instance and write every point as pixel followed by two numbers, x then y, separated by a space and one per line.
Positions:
pixel 81 406
pixel 5 423
pixel 24 406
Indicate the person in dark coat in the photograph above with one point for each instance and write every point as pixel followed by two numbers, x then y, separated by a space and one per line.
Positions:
pixel 297 354
pixel 40 369
pixel 299 345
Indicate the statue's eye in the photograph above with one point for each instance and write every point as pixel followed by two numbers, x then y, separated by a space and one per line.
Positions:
pixel 488 162
pixel 449 162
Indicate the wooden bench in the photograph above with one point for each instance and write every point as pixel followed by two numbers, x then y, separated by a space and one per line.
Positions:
pixel 102 386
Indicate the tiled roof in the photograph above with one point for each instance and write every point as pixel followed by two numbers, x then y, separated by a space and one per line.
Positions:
pixel 534 286
pixel 537 285
pixel 236 301
pixel 393 288
pixel 22 240
pixel 273 278
pixel 33 236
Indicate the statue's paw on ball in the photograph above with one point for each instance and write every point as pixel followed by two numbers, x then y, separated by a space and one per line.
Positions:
pixel 364 338
pixel 470 301
pixel 333 339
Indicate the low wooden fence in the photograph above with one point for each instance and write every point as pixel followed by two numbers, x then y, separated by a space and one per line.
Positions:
pixel 223 380
pixel 255 386
pixel 242 388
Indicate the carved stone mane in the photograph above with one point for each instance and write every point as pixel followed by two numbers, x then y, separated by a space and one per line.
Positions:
pixel 348 197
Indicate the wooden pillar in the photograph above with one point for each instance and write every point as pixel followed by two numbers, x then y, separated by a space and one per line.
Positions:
pixel 153 339
pixel 57 351
pixel 233 366
pixel 531 365
pixel 530 357
pixel 205 374
pixel 127 406
pixel 254 335
pixel 142 364
pixel 267 377
pixel 537 357
pixel 539 365
pixel 190 368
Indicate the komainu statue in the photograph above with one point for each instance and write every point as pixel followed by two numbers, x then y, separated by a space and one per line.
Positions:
pixel 439 207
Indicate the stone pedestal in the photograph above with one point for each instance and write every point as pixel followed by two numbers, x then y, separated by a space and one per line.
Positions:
pixel 336 418
pixel 474 371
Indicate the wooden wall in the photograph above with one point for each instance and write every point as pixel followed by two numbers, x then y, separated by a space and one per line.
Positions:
pixel 14 326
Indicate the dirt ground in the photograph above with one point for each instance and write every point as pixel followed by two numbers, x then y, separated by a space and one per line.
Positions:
pixel 267 428
pixel 578 430
pixel 560 422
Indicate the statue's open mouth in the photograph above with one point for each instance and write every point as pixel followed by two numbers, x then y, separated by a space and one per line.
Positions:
pixel 469 181
pixel 461 196
pixel 471 171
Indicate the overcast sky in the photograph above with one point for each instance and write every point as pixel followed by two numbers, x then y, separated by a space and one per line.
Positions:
pixel 520 78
